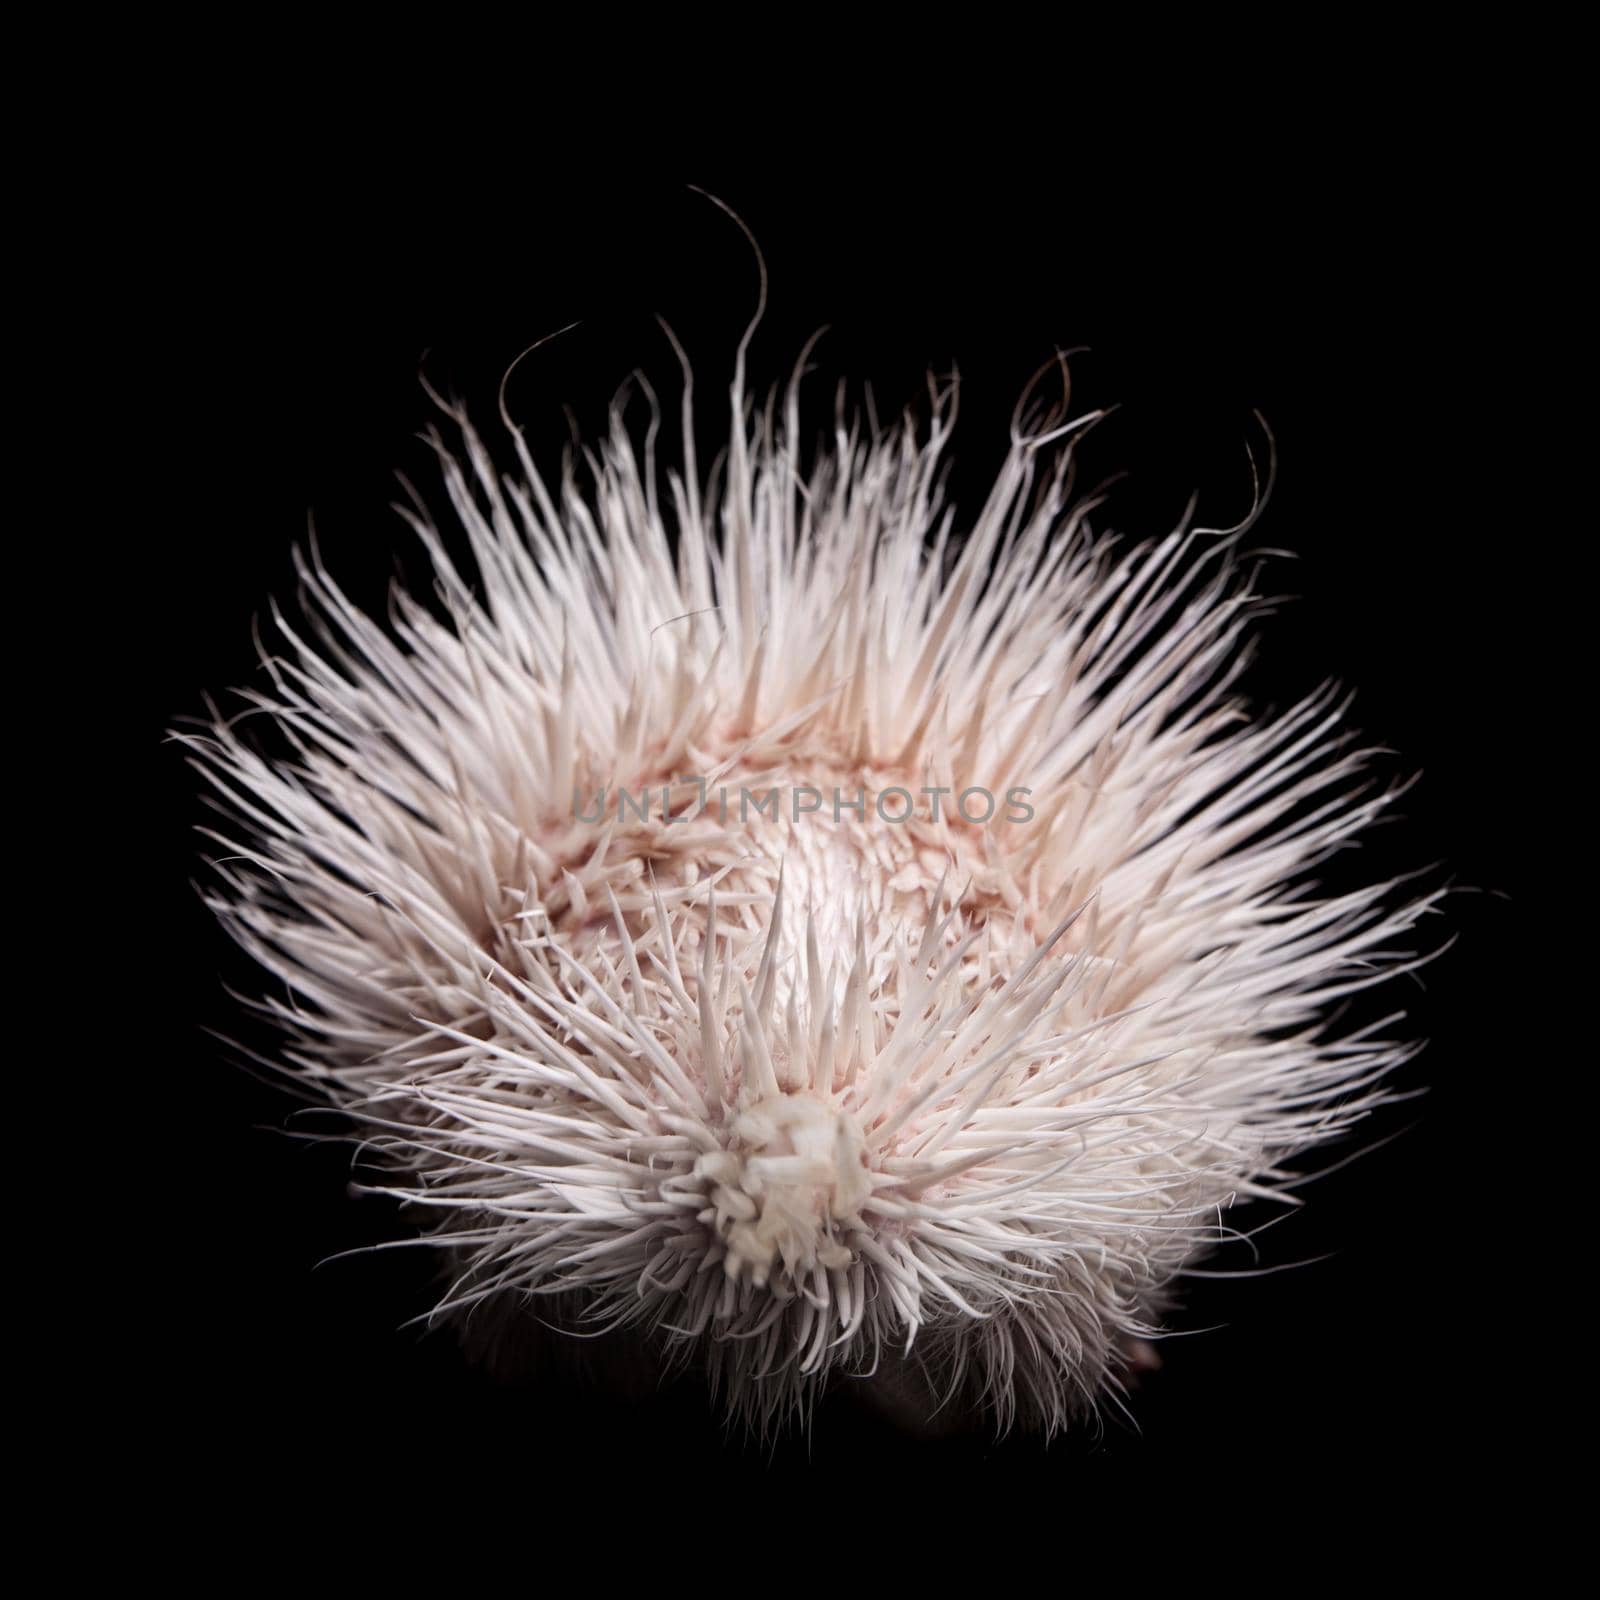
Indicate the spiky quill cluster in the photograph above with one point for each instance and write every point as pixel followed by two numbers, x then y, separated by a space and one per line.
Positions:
pixel 788 1090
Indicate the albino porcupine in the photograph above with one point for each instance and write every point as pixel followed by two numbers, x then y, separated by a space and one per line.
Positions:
pixel 816 933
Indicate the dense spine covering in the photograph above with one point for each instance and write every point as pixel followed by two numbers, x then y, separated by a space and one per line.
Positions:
pixel 791 1089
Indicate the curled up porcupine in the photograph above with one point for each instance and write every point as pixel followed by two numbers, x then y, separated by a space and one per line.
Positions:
pixel 816 934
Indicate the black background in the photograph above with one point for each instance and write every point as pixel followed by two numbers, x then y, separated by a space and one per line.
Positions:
pixel 1345 298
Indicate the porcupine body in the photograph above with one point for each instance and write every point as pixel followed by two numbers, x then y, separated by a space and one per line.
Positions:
pixel 812 930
